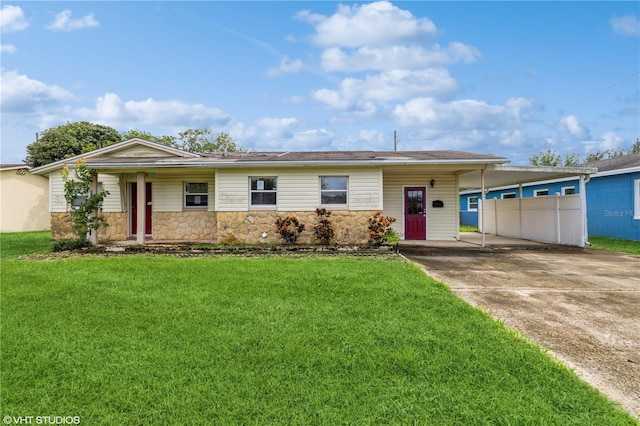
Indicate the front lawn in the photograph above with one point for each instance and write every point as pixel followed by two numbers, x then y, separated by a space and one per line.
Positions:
pixel 269 340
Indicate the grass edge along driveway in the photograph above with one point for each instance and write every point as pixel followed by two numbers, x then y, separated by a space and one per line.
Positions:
pixel 272 340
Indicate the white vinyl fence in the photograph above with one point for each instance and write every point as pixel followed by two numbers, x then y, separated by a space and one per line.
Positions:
pixel 553 219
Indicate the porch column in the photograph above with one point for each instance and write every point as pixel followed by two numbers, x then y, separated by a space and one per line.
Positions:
pixel 141 206
pixel 93 189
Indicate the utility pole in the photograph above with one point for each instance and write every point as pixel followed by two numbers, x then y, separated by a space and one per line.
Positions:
pixel 395 141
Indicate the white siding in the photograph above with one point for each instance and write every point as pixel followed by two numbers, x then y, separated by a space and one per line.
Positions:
pixel 364 189
pixel 138 151
pixel 232 190
pixel 167 196
pixel 113 201
pixel 299 189
pixel 442 223
pixel 56 193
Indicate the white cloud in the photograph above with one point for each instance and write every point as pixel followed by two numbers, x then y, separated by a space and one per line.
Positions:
pixel 7 48
pixel 464 115
pixel 606 141
pixel 21 94
pixel 379 23
pixel 394 57
pixel 571 125
pixel 12 19
pixel 64 22
pixel 387 86
pixel 111 110
pixel 627 25
pixel 286 66
pixel 281 134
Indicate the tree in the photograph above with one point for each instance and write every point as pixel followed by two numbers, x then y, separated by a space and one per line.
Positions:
pixel 85 203
pixel 550 158
pixel 635 148
pixel 165 140
pixel 202 140
pixel 69 140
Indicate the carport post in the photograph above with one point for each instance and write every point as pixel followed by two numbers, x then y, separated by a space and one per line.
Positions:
pixel 484 198
pixel 583 210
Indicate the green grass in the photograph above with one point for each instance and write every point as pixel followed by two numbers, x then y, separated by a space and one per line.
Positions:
pixel 15 244
pixel 615 244
pixel 270 340
pixel 468 228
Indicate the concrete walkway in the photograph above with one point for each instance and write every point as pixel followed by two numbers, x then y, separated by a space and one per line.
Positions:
pixel 581 304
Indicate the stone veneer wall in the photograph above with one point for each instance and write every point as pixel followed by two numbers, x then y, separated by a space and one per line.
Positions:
pixel 62 226
pixel 117 229
pixel 196 225
pixel 351 227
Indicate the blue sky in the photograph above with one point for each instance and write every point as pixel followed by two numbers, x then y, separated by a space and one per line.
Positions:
pixel 507 78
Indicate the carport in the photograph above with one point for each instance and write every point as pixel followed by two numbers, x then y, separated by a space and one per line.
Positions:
pixel 558 219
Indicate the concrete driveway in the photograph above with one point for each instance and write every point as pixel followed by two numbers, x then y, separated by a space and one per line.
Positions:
pixel 581 304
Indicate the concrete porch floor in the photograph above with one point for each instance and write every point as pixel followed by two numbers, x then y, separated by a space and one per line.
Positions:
pixel 474 240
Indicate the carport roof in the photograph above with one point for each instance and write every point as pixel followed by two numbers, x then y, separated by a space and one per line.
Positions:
pixel 503 175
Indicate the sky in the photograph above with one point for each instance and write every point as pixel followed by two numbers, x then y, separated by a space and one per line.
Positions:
pixel 505 78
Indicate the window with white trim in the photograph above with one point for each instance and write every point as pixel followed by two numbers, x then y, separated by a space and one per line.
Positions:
pixel 196 194
pixel 472 204
pixel 540 192
pixel 333 190
pixel 264 192
pixel 636 199
pixel 81 199
pixel 507 195
pixel 568 190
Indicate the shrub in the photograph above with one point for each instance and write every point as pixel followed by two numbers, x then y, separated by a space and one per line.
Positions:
pixel 379 225
pixel 324 232
pixel 289 228
pixel 70 244
pixel 391 236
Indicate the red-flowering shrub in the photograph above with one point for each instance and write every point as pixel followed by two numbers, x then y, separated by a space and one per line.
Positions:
pixel 324 232
pixel 289 228
pixel 379 226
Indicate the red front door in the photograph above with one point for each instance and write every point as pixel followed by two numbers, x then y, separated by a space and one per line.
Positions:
pixel 415 214
pixel 134 209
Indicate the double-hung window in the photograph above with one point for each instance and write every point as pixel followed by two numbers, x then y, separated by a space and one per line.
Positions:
pixel 334 190
pixel 264 192
pixel 472 203
pixel 196 194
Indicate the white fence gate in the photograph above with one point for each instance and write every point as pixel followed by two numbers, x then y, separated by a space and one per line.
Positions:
pixel 553 219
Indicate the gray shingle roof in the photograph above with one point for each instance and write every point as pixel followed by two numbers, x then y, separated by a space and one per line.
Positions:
pixel 616 163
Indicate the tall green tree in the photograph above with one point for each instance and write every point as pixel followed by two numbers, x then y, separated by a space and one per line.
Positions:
pixel 68 140
pixel 203 140
pixel 165 139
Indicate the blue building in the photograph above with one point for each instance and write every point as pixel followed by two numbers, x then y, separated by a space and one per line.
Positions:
pixel 612 197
